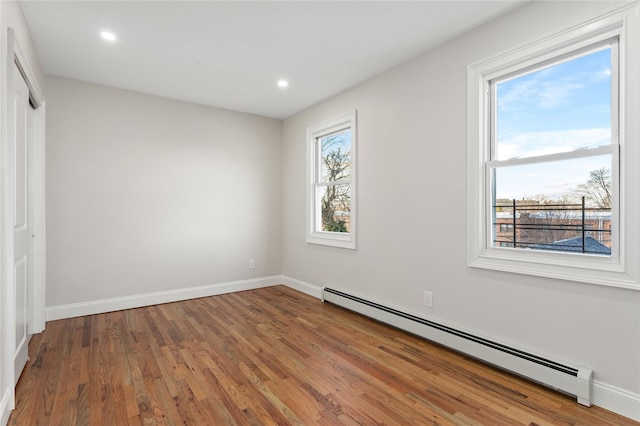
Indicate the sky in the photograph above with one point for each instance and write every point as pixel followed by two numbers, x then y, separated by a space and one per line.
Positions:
pixel 560 108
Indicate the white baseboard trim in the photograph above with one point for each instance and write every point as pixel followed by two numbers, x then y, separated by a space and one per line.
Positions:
pixel 6 405
pixel 301 286
pixel 136 301
pixel 618 400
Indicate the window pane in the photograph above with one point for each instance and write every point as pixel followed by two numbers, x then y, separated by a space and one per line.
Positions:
pixel 555 109
pixel 558 206
pixel 335 161
pixel 334 205
pixel 555 180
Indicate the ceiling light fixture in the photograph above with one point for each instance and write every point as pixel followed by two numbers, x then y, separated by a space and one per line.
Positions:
pixel 108 36
pixel 283 83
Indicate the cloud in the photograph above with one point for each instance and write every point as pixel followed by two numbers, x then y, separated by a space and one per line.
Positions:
pixel 547 88
pixel 596 77
pixel 554 93
pixel 538 93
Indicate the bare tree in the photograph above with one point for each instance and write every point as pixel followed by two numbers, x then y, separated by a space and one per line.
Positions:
pixel 597 189
pixel 336 166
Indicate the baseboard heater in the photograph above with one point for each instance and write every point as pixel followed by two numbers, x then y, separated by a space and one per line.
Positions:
pixel 573 380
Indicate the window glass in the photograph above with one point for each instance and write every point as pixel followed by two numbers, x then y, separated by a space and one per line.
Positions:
pixel 557 181
pixel 336 156
pixel 559 108
pixel 549 181
pixel 335 207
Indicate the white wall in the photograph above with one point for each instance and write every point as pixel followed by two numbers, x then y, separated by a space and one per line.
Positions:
pixel 146 194
pixel 412 214
pixel 11 17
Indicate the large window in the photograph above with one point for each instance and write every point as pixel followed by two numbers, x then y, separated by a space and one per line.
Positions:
pixel 331 165
pixel 553 154
pixel 547 155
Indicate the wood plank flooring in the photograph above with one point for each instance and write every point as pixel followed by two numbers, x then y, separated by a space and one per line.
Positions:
pixel 265 357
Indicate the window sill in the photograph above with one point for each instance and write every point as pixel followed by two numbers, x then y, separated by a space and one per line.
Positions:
pixel 592 270
pixel 332 239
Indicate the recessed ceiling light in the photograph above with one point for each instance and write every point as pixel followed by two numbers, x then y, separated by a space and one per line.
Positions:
pixel 108 36
pixel 283 83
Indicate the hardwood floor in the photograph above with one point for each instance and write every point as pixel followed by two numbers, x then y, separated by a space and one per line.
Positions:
pixel 267 356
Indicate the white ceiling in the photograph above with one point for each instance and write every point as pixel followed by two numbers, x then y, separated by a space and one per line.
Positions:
pixel 230 54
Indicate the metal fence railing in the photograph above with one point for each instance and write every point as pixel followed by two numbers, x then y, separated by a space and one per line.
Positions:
pixel 558 227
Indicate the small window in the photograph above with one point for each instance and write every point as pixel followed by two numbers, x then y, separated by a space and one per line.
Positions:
pixel 549 181
pixel 331 165
pixel 506 227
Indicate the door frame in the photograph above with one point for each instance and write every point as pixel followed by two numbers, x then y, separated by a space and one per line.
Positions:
pixel 7 206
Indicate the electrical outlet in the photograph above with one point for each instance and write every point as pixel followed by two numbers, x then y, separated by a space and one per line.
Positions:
pixel 428 299
pixel 252 263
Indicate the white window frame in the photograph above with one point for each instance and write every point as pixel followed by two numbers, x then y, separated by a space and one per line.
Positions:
pixel 620 22
pixel 314 133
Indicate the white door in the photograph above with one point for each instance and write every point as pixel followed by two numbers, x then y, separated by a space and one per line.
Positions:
pixel 22 226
